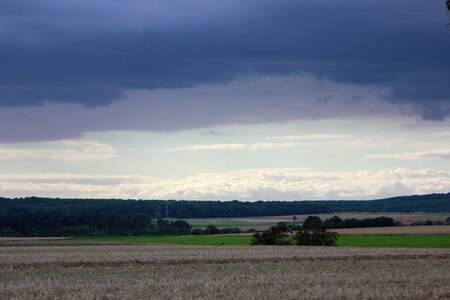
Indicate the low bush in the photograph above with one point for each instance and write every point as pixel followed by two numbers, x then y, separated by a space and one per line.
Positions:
pixel 276 235
pixel 315 236
pixel 314 233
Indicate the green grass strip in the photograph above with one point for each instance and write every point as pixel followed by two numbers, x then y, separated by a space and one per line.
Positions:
pixel 396 241
pixel 229 225
pixel 211 240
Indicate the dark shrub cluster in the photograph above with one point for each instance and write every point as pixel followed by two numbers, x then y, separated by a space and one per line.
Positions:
pixel 211 229
pixel 313 234
pixel 276 235
pixel 336 222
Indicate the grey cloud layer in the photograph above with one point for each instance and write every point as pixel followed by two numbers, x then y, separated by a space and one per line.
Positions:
pixel 267 99
pixel 91 53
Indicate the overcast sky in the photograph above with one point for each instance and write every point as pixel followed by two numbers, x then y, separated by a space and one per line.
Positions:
pixel 224 99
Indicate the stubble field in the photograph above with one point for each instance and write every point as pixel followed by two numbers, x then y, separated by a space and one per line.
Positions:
pixel 222 272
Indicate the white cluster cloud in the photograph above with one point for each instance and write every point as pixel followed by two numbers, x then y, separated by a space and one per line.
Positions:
pixel 429 154
pixel 66 150
pixel 255 184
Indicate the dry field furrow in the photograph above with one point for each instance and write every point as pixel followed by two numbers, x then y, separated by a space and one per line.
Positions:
pixel 65 264
pixel 218 272
pixel 151 252
pixel 62 242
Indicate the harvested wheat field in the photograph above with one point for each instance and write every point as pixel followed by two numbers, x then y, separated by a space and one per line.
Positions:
pixel 222 272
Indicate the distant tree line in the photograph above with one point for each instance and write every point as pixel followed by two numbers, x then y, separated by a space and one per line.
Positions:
pixel 156 208
pixel 183 209
pixel 211 229
pixel 406 204
pixel 336 222
pixel 139 224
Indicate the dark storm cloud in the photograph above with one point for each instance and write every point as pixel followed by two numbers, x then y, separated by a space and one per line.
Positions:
pixel 244 101
pixel 90 53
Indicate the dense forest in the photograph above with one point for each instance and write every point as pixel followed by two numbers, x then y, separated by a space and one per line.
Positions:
pixel 416 203
pixel 208 209
pixel 35 216
pixel 155 208
pixel 141 224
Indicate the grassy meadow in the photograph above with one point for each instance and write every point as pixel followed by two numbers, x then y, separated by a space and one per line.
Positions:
pixel 396 230
pixel 206 240
pixel 406 241
pixel 398 241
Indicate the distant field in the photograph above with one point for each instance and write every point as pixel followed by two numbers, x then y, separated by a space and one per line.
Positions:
pixel 396 213
pixel 222 272
pixel 245 226
pixel 408 241
pixel 397 241
pixel 262 223
pixel 395 230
